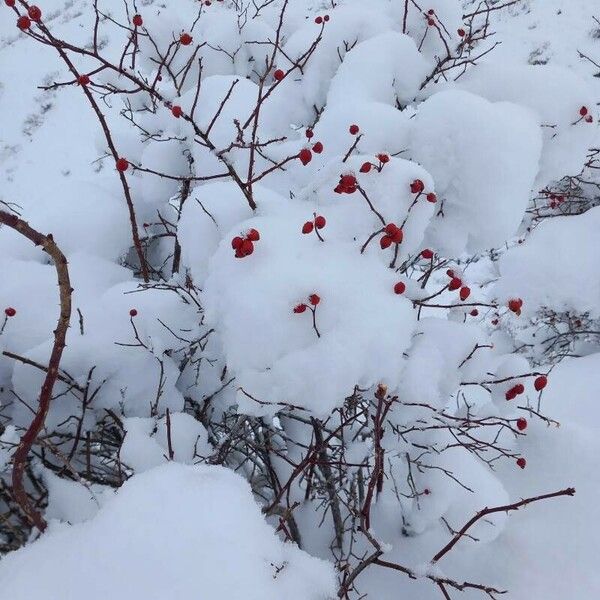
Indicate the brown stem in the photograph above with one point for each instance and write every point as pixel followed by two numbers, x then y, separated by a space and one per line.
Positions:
pixel 60 333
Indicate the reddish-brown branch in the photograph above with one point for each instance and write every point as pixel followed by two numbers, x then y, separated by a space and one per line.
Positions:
pixel 46 242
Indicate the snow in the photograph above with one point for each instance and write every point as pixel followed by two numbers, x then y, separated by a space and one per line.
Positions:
pixel 177 508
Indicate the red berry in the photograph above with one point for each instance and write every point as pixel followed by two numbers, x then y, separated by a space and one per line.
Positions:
pixel 314 299
pixel 320 222
pixel 247 247
pixel 10 3
pixel 399 288
pixel 177 111
pixel 366 167
pixel 338 189
pixel 34 12
pixel 464 293
pixel 83 79
pixel 474 312
pixel 430 22
pixel 511 394
pixel 540 383
pixel 133 312
pixel 521 424
pixel 589 119
pixel 309 133
pixel 417 186
pixel 278 75
pixel 431 11
pixel 253 235
pixel 427 491
pixel 519 388
pixel 454 284
pixel 319 20
pixel 236 242
pixel 521 462
pixel 305 156
pixel 427 254
pixel 385 242
pixel 122 165
pixel 348 180
pixel 431 197
pixel 185 39
pixel 299 308
pixel 494 321
pixel 137 20
pixel 307 227
pixel 23 23
pixel 10 311
pixel 582 111
pixel 326 18
pixel 383 158
pixel 515 304
pixel 318 148
pixel 450 273
pixel 354 129
pixel 391 229
pixel 461 32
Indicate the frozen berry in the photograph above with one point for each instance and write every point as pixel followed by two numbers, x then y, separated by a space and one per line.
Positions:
pixel 236 242
pixel 122 164
pixel 515 304
pixel 385 242
pixel 133 312
pixel 474 312
pixel 454 284
pixel 35 13
pixel 83 79
pixel 582 111
pixel 464 293
pixel 253 235
pixel 366 167
pixel 318 148
pixel 247 247
pixel 431 197
pixel 10 311
pixel 320 222
pixel 319 20
pixel 521 424
pixel 427 254
pixel 278 75
pixel 307 227
pixel 23 23
pixel 354 129
pixel 540 383
pixel 399 288
pixel 314 299
pixel 309 133
pixel 185 39
pixel 299 308
pixel 305 156
pixel 521 462
pixel 461 32
pixel 137 20
pixel 10 3
pixel 177 111
pixel 417 186
pixel 383 158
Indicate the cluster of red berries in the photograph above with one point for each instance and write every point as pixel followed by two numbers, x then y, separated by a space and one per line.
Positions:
pixel 418 187
pixel 317 223
pixel 34 13
pixel 457 284
pixel 392 235
pixel 584 114
pixel 430 17
pixel 514 391
pixel 515 305
pixel 383 160
pixel 324 19
pixel 244 246
pixel 314 299
pixel 346 185
pixel 9 311
pixel 555 200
